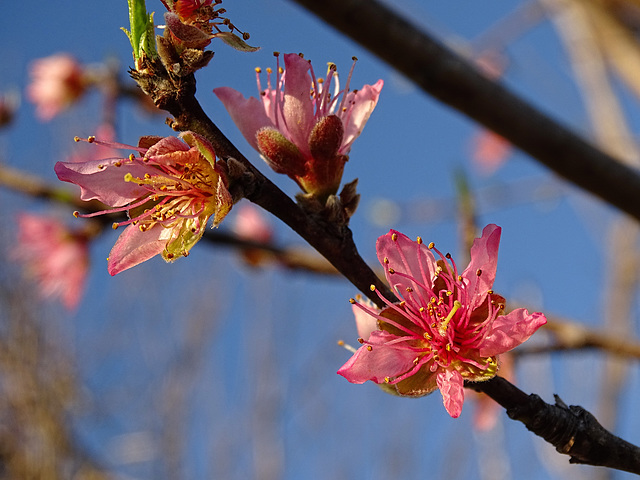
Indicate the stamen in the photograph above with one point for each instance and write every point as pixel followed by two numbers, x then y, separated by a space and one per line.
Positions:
pixel 442 329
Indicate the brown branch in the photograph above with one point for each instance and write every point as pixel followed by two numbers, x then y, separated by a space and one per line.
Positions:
pixel 571 429
pixel 456 82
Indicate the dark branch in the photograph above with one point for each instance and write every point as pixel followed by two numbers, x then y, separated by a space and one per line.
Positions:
pixel 454 81
pixel 571 429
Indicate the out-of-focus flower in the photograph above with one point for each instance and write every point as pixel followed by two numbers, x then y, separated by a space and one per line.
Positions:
pixel 448 327
pixel 251 224
pixel 56 82
pixel 54 255
pixel 489 150
pixel 170 191
pixel 306 136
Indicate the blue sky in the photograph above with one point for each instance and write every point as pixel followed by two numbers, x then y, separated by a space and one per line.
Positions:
pixel 261 389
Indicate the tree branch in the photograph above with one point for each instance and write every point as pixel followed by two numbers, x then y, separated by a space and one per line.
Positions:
pixel 457 83
pixel 571 429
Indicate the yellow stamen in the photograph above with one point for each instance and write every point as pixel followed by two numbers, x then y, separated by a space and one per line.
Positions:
pixel 442 329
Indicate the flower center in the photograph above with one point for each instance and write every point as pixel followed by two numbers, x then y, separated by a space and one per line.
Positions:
pixel 176 193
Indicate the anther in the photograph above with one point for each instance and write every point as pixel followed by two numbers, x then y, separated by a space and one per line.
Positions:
pixel 91 139
pixel 385 260
pixel 431 246
pixel 402 303
pixel 387 379
pixel 76 213
pixel 361 340
pixel 115 225
pixel 372 287
pixel 427 336
pixel 76 138
pixel 479 272
pixel 448 256
pixel 409 289
pixel 369 347
pixel 352 301
pixel 394 237
pixel 392 271
pixel 258 70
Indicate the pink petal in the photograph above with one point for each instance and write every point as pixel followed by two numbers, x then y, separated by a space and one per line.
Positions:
pixel 134 247
pixel 105 184
pixel 165 146
pixel 247 113
pixel 484 257
pixel 224 202
pixel 509 331
pixel 451 387
pixel 379 362
pixel 298 107
pixel 190 36
pixel 365 323
pixel 364 101
pixel 406 256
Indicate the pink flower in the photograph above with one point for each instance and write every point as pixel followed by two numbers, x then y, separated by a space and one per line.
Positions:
pixel 490 151
pixel 170 191
pixel 57 81
pixel 56 257
pixel 306 136
pixel 251 224
pixel 448 328
pixel 194 23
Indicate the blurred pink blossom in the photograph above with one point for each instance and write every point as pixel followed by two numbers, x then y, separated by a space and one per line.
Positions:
pixel 56 82
pixel 489 151
pixel 448 328
pixel 306 136
pixel 55 256
pixel 251 224
pixel 170 191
